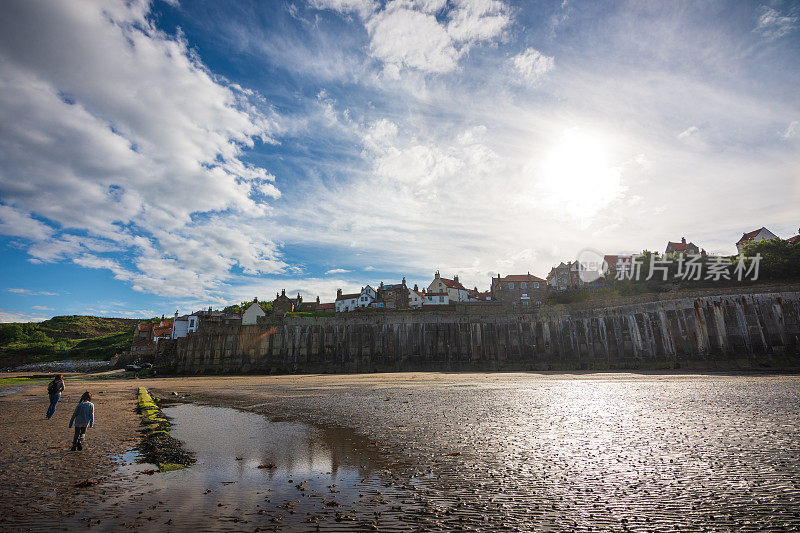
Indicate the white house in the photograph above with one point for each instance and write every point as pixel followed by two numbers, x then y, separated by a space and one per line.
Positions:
pixel 456 292
pixel 762 234
pixel 349 302
pixel 182 326
pixel 437 298
pixel 251 314
pixel 416 298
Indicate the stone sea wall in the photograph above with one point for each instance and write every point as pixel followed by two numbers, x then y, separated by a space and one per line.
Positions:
pixel 742 329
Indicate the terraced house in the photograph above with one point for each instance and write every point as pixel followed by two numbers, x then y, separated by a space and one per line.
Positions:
pixel 519 290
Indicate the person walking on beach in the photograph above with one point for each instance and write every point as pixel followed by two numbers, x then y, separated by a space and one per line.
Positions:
pixel 54 389
pixel 83 417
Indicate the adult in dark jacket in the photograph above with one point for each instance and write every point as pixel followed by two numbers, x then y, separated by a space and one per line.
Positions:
pixel 54 389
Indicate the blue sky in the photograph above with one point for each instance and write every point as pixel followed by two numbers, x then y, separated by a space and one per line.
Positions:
pixel 172 155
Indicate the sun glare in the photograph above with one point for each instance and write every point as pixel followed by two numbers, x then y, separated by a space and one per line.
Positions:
pixel 577 177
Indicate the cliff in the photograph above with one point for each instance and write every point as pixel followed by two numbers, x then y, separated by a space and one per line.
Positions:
pixel 741 329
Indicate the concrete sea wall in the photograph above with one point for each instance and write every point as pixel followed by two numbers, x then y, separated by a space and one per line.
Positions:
pixel 749 329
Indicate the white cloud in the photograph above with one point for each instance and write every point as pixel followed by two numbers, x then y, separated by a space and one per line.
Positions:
pixel 792 130
pixel 688 132
pixel 30 292
pixel 531 65
pixel 115 134
pixel 424 35
pixel 360 7
pixel 41 308
pixel 11 316
pixel 336 271
pixel 772 24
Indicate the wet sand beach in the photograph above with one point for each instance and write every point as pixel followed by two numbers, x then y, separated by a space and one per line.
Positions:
pixel 434 451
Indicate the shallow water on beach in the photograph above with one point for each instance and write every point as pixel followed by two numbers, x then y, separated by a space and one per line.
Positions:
pixel 479 452
pixel 250 473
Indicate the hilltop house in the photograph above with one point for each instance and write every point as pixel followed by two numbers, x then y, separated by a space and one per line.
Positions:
pixel 456 292
pixel 519 290
pixel 682 247
pixel 795 239
pixel 253 312
pixel 756 235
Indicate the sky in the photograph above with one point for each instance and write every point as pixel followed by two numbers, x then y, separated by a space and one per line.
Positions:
pixel 159 156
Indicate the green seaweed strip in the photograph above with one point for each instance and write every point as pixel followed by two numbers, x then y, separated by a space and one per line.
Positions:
pixel 157 446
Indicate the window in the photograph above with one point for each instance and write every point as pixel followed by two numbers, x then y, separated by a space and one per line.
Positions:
pixel 441 298
pixel 535 284
pixel 523 285
pixel 510 285
pixel 525 304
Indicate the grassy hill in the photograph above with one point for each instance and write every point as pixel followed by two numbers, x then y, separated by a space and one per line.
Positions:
pixel 73 337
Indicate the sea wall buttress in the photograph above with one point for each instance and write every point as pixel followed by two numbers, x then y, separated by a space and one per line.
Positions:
pixel 739 330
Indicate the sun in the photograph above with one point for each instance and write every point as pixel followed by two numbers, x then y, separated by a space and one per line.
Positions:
pixel 576 176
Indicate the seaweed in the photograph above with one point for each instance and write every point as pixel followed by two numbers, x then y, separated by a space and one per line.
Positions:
pixel 158 447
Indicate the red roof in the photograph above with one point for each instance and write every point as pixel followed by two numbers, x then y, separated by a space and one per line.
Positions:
pixel 452 283
pixel 326 306
pixel 681 246
pixel 348 296
pixel 160 331
pixel 145 327
pixel 750 235
pixel 435 294
pixel 794 240
pixel 522 277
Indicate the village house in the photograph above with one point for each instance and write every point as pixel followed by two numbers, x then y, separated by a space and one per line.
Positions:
pixel 416 297
pixel 762 234
pixel 253 312
pixel 474 295
pixel 795 239
pixel 351 302
pixel 282 304
pixel 392 296
pixel 618 263
pixel 317 306
pixel 454 289
pixel 183 325
pixel 560 277
pixel 519 290
pixel 437 298
pixel 682 247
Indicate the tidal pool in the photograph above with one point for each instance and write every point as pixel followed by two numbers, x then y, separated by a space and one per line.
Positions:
pixel 250 473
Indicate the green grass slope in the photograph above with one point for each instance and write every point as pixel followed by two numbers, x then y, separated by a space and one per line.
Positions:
pixel 72 337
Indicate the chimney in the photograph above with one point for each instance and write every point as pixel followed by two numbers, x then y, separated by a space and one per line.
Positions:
pixel 209 309
pixel 283 292
pixel 404 281
pixel 255 300
pixel 455 278
pixel 176 313
pixel 338 293
pixel 381 285
pixel 416 288
pixel 683 240
pixel 317 299
pixel 436 276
